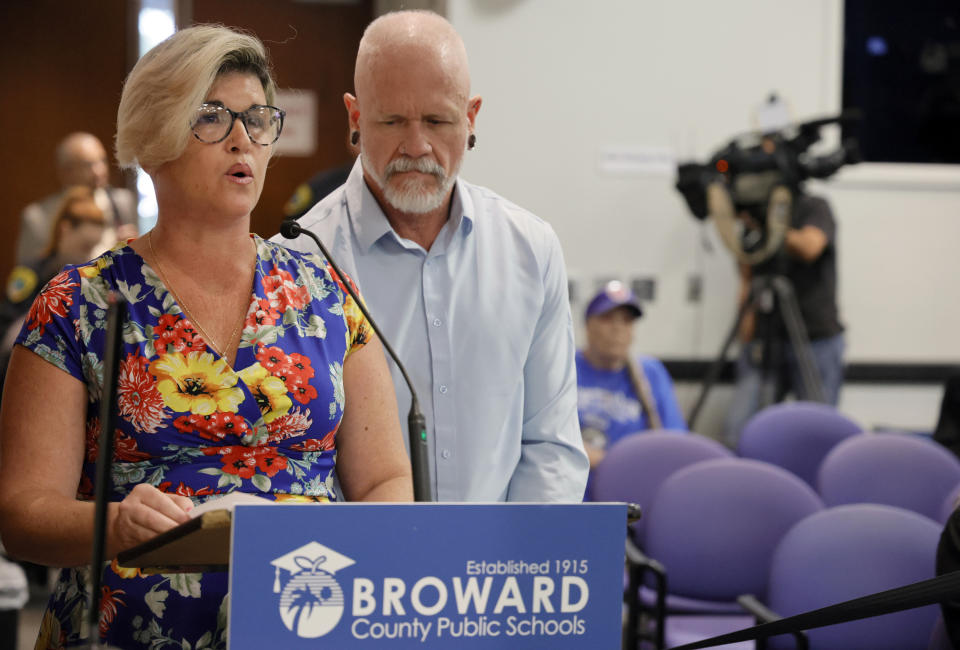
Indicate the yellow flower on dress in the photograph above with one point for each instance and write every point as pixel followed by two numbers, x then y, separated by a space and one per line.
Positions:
pixel 124 572
pixel 197 383
pixel 357 334
pixel 282 497
pixel 270 391
pixel 93 269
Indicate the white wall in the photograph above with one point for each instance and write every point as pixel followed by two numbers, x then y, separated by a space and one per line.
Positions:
pixel 566 81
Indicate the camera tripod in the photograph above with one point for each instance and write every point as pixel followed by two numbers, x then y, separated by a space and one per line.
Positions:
pixel 774 302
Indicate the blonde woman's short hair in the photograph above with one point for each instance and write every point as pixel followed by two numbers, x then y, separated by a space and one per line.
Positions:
pixel 163 91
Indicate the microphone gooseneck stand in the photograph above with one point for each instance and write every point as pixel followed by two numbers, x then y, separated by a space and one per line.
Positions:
pixel 416 423
pixel 113 349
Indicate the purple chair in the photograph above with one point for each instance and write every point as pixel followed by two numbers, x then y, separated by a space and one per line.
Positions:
pixel 851 551
pixel 890 468
pixel 713 527
pixel 636 465
pixel 795 436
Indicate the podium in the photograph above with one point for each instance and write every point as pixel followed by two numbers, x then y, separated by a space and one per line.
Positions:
pixel 418 575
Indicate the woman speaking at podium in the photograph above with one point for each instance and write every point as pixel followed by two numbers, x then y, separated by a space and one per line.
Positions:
pixel 245 366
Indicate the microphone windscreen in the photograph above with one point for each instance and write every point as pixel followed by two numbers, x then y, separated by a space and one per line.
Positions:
pixel 290 229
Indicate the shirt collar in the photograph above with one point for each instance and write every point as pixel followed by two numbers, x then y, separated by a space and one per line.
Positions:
pixel 370 223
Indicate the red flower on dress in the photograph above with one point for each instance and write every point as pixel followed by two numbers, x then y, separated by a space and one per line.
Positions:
pixel 244 461
pixel 269 461
pixel 216 426
pixel 336 278
pixel 92 436
pixel 327 442
pixel 283 291
pixel 261 313
pixel 241 461
pixel 139 401
pixel 186 490
pixel 179 332
pixel 272 357
pixel 54 300
pixel 302 364
pixel 108 607
pixel 125 448
pixel 85 489
pixel 294 370
pixel 303 392
pixel 292 425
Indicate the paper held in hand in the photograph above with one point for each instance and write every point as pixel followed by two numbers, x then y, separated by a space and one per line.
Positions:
pixel 228 502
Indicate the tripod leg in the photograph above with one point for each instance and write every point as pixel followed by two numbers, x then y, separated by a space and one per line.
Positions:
pixel 713 373
pixel 799 342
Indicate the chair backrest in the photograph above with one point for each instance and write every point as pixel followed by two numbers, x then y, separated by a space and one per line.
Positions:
pixel 851 551
pixel 891 468
pixel 796 436
pixel 636 465
pixel 715 524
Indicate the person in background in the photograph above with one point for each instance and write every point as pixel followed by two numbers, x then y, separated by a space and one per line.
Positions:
pixel 469 288
pixel 244 366
pixel 77 232
pixel 619 393
pixel 81 160
pixel 808 260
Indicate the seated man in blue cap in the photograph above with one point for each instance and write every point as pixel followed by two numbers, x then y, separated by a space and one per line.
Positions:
pixel 619 393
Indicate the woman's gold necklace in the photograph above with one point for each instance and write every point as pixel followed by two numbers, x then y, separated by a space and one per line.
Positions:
pixel 186 310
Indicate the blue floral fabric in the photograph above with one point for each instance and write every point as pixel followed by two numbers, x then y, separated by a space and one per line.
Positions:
pixel 189 423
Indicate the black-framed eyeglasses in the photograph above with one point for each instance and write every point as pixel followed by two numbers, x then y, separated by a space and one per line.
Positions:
pixel 214 123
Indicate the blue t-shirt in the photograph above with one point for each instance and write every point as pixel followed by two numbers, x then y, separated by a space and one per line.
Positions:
pixel 606 401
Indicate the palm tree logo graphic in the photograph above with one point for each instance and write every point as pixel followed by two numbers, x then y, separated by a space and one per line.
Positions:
pixel 311 601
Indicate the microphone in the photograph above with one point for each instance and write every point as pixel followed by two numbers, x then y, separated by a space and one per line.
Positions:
pixel 416 423
pixel 113 350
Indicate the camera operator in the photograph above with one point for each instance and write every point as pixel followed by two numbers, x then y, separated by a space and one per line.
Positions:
pixel 808 259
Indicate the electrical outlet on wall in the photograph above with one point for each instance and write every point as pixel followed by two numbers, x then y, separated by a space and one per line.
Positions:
pixel 573 290
pixel 694 287
pixel 644 288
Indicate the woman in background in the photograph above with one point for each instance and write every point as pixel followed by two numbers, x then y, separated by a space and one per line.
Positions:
pixel 245 366
pixel 76 235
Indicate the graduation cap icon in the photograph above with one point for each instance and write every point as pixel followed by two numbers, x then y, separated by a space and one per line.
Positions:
pixel 312 557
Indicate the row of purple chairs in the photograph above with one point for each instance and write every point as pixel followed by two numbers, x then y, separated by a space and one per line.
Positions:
pixel 714 524
pixel 829 451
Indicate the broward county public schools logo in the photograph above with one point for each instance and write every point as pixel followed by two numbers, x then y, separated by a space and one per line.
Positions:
pixel 311 600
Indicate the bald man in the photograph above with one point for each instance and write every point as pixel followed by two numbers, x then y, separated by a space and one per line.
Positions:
pixel 469 288
pixel 81 160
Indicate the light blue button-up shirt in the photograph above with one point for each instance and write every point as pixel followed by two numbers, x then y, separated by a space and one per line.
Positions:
pixel 482 323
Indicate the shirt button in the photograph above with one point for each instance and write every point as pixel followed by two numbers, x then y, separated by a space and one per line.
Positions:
pixel 445 453
pixel 437 322
pixel 443 388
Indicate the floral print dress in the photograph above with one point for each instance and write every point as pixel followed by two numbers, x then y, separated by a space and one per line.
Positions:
pixel 190 424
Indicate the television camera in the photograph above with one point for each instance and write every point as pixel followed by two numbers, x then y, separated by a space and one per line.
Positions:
pixel 757 175
pixel 749 187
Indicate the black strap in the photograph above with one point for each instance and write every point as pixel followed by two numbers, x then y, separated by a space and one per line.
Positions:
pixel 917 594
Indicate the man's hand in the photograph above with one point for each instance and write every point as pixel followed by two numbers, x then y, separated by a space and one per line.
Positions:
pixel 805 244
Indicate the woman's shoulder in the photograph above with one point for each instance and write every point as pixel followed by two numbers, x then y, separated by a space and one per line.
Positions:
pixel 271 251
pixel 121 256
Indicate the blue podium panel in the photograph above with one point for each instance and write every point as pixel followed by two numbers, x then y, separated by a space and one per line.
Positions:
pixel 427 576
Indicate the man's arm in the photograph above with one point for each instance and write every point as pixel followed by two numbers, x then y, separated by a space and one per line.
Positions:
pixel 553 465
pixel 806 243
